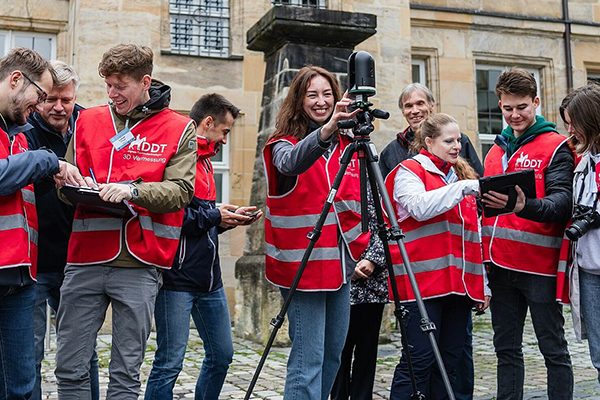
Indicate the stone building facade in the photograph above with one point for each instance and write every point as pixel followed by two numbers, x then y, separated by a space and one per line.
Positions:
pixel 456 47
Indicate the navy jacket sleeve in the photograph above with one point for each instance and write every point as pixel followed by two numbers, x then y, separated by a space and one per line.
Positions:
pixel 199 217
pixel 19 170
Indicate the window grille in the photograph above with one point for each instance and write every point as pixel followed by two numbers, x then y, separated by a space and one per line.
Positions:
pixel 301 3
pixel 200 27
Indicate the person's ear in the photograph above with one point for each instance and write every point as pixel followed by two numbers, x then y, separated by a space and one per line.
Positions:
pixel 146 82
pixel 536 102
pixel 14 79
pixel 207 122
pixel 428 142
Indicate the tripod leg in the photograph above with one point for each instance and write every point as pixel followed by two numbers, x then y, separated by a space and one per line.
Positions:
pixel 313 237
pixel 426 325
pixel 399 311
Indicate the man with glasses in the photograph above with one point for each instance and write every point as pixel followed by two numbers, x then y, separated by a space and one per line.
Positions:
pixel 25 79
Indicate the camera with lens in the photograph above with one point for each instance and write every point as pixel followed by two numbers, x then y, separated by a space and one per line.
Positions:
pixel 584 219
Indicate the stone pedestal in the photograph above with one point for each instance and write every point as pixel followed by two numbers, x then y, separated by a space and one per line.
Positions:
pixel 290 38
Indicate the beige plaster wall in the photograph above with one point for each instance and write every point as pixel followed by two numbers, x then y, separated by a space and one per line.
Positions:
pixel 459 41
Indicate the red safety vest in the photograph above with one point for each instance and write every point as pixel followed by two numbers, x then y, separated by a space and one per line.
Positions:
pixel 150 237
pixel 204 187
pixel 516 243
pixel 291 216
pixel 18 216
pixel 444 251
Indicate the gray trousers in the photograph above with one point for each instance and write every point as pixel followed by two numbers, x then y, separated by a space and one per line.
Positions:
pixel 84 297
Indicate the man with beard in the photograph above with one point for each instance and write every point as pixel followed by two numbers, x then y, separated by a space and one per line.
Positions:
pixel 25 80
pixel 52 129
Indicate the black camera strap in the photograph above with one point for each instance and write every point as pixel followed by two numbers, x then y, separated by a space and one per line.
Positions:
pixel 591 166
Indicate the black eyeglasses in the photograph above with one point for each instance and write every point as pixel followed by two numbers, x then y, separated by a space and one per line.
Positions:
pixel 42 96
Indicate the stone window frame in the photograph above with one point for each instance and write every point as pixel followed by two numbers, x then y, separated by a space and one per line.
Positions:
pixel 430 59
pixel 592 73
pixel 9 40
pixel 541 68
pixel 215 12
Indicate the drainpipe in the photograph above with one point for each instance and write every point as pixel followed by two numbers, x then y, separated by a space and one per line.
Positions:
pixel 569 61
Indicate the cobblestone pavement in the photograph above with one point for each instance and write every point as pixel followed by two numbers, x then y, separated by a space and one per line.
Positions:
pixel 270 384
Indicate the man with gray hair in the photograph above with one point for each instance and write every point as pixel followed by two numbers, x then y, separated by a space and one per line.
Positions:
pixel 52 129
pixel 416 103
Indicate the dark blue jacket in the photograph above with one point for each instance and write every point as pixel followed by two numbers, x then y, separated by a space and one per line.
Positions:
pixel 196 267
pixel 55 218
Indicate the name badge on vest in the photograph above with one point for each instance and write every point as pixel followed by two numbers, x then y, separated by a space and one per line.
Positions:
pixel 122 139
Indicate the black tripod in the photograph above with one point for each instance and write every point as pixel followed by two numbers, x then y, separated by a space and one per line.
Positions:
pixel 367 156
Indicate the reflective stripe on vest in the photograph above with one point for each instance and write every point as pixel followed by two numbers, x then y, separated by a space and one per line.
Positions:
pixel 318 254
pixel 437 264
pixel 97 224
pixel 439 228
pixel 15 221
pixel 522 237
pixel 160 230
pixel 28 196
pixel 298 221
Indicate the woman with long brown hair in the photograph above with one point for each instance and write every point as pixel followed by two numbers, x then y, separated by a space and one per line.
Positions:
pixel 434 197
pixel 301 160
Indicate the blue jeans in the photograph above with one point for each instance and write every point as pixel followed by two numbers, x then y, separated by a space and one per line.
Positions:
pixel 211 317
pixel 450 314
pixel 513 293
pixel 589 286
pixel 47 289
pixel 318 327
pixel 17 354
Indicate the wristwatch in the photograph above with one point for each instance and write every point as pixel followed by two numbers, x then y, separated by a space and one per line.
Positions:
pixel 133 190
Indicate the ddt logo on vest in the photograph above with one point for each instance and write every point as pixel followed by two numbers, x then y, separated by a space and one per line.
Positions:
pixel 523 162
pixel 143 150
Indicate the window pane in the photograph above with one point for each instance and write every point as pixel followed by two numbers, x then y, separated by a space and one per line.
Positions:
pixel 488 113
pixel 24 41
pixel 416 73
pixel 219 156
pixel 219 186
pixel 3 50
pixel 43 45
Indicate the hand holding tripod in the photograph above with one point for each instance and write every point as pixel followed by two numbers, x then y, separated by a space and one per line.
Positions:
pixel 362 64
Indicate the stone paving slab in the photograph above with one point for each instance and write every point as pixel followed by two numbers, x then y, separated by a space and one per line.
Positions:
pixel 271 381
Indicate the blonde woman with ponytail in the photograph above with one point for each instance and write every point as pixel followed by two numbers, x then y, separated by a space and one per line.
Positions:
pixel 434 198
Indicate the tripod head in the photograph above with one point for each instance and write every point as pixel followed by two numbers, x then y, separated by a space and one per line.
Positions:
pixel 361 86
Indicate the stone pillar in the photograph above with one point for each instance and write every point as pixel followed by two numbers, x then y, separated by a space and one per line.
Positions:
pixel 290 38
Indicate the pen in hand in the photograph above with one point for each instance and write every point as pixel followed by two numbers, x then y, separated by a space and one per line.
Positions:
pixel 93 177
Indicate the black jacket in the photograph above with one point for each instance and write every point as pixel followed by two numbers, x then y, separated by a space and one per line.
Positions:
pixel 197 267
pixel 55 218
pixel 397 151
